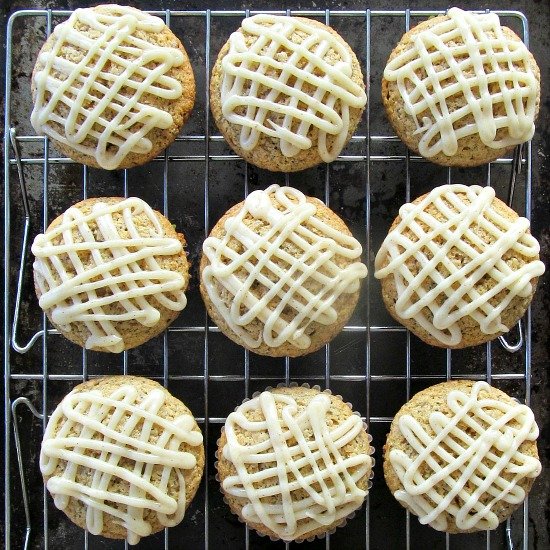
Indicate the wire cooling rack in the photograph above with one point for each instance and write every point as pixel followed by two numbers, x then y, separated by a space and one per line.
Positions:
pixel 374 363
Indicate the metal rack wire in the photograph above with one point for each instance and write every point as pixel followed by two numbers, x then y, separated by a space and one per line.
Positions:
pixel 37 532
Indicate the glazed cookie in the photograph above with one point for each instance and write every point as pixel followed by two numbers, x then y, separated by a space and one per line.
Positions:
pixel 112 87
pixel 286 92
pixel 461 90
pixel 280 273
pixel 110 273
pixel 294 463
pixel 458 267
pixel 122 457
pixel 462 456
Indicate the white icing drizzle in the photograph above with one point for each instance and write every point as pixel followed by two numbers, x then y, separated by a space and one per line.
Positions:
pixel 475 445
pixel 462 207
pixel 312 462
pixel 97 433
pixel 503 79
pixel 245 70
pixel 115 276
pixel 75 94
pixel 263 260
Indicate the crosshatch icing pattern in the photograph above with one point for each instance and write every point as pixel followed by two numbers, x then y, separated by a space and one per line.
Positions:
pixel 101 119
pixel 250 68
pixel 308 283
pixel 467 54
pixel 479 445
pixel 303 452
pixel 122 271
pixel 93 432
pixel 451 295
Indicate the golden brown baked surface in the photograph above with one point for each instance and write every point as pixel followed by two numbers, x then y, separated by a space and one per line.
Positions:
pixel 471 150
pixel 179 109
pixel 420 407
pixel 267 153
pixel 319 333
pixel 472 335
pixel 170 410
pixel 337 413
pixel 132 331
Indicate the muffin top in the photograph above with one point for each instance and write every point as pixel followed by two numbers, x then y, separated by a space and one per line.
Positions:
pixel 276 264
pixel 458 252
pixel 104 81
pixel 463 74
pixel 462 455
pixel 127 451
pixel 108 262
pixel 284 77
pixel 294 461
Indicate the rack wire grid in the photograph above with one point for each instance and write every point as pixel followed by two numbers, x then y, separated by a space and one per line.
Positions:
pixel 374 363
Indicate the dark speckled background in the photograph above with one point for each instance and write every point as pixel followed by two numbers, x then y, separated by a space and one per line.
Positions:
pixel 347 353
